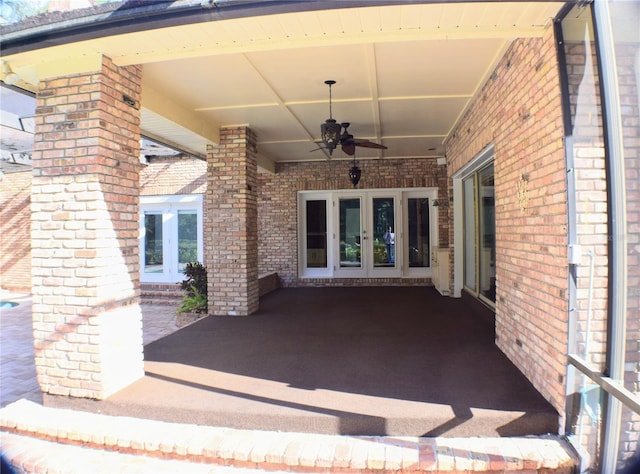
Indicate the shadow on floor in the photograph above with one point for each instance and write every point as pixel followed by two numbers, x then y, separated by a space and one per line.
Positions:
pixel 373 361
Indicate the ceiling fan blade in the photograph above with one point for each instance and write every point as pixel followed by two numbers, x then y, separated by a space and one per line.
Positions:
pixel 368 144
pixel 349 148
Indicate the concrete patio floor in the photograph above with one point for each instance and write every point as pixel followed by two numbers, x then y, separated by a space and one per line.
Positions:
pixel 392 361
pixel 38 439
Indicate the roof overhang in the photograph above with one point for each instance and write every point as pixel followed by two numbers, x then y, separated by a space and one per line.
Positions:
pixel 406 71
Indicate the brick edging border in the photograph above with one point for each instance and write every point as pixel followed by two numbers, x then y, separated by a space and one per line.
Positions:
pixel 278 451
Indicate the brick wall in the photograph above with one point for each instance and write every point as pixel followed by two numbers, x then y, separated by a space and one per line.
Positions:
pixel 231 224
pixel 519 112
pixel 15 229
pixel 278 225
pixel 84 225
pixel 173 175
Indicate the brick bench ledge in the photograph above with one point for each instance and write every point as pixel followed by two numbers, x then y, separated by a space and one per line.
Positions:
pixel 279 451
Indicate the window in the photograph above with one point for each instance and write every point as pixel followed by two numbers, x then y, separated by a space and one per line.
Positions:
pixel 419 231
pixel 367 234
pixel 316 235
pixel 170 236
pixel 153 242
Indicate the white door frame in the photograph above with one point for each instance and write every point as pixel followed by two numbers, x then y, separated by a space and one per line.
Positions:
pixel 479 161
pixel 168 207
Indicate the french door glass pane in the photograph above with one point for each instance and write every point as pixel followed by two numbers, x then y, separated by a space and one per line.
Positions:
pixel 153 250
pixel 487 233
pixel 384 233
pixel 418 225
pixel 469 234
pixel 317 233
pixel 187 238
pixel 350 233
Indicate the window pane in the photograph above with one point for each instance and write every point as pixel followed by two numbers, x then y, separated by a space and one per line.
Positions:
pixel 584 417
pixel 350 233
pixel 469 234
pixel 487 226
pixel 384 233
pixel 589 320
pixel 628 459
pixel 418 225
pixel 625 18
pixel 585 139
pixel 187 238
pixel 153 250
pixel 317 234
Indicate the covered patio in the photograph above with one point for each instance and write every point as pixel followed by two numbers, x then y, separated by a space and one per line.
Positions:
pixel 396 361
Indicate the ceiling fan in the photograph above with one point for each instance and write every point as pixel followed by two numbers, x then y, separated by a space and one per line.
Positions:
pixel 334 133
pixel 349 143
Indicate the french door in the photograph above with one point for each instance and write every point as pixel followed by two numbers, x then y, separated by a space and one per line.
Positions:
pixel 375 233
pixel 170 237
pixel 367 234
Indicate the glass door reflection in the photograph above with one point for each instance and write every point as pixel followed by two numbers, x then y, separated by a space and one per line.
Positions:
pixel 187 239
pixel 384 232
pixel 153 243
pixel 418 230
pixel 350 217
pixel 487 231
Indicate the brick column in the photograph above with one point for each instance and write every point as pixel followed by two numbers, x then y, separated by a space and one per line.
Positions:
pixel 84 210
pixel 231 224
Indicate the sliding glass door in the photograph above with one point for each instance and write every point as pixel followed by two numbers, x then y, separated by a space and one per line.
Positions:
pixel 480 234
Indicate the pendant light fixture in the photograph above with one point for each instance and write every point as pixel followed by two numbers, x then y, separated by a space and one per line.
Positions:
pixel 355 173
pixel 330 129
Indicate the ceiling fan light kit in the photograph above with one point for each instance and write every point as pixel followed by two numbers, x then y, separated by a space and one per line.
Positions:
pixel 330 129
pixel 334 134
pixel 330 132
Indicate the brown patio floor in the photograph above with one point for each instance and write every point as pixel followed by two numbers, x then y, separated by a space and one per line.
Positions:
pixel 395 361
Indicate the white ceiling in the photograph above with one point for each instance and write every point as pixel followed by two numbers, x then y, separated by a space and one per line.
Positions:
pixel 405 74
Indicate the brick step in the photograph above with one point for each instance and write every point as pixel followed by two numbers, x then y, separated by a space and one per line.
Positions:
pixel 160 301
pixel 161 294
pixel 148 441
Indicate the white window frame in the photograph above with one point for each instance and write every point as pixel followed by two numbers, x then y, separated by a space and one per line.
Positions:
pixel 169 207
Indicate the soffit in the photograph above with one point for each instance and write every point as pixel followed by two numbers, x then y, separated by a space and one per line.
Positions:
pixel 405 73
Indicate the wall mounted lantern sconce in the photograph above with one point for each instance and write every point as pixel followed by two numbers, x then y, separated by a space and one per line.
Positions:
pixel 10 77
pixel 440 203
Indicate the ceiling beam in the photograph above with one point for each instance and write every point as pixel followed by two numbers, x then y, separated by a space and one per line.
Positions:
pixel 163 106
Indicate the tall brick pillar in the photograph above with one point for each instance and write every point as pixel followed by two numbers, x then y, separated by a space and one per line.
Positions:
pixel 84 210
pixel 231 224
